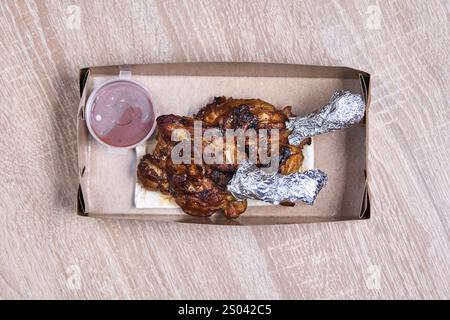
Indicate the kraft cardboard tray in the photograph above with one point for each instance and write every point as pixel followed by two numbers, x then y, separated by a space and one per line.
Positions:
pixel 107 179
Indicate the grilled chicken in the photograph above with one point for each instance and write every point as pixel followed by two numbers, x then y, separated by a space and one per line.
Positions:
pixel 200 189
pixel 254 114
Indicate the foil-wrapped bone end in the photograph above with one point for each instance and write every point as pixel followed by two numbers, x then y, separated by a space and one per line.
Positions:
pixel 251 182
pixel 343 110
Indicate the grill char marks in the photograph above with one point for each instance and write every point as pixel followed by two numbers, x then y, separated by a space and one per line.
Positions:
pixel 240 118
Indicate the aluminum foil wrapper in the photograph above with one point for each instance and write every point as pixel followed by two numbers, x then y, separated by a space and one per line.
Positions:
pixel 343 110
pixel 251 182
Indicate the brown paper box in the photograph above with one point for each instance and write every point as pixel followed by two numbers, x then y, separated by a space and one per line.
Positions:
pixel 107 178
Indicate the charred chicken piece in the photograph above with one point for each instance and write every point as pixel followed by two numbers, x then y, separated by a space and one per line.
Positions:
pixel 197 189
pixel 253 114
pixel 152 173
pixel 201 194
pixel 260 113
pixel 201 189
pixel 291 157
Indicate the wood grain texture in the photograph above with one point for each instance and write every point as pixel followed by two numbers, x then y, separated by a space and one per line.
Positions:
pixel 402 252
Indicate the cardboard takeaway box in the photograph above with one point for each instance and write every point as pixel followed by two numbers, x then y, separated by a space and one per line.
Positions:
pixel 107 179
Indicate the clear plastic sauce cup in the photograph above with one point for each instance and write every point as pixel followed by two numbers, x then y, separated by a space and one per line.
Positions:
pixel 120 113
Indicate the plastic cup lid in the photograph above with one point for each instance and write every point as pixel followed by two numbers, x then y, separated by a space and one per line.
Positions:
pixel 120 114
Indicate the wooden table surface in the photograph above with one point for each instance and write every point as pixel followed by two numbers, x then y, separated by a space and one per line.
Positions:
pixel 47 251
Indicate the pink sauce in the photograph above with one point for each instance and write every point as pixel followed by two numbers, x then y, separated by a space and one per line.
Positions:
pixel 122 114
